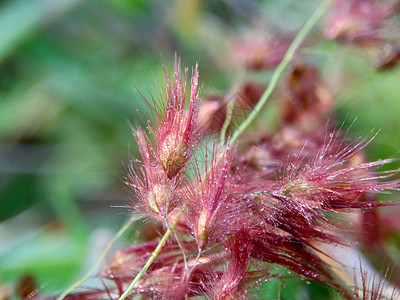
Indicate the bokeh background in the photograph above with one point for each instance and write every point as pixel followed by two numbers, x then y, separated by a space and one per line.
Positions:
pixel 72 76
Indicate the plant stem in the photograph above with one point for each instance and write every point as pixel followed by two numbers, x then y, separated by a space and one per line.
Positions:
pixel 280 68
pixel 178 242
pixel 152 257
pixel 228 118
pixel 101 258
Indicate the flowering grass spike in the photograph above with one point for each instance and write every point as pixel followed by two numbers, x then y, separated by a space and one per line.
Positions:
pixel 248 211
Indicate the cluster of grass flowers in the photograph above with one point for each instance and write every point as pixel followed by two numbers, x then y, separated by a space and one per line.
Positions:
pixel 229 213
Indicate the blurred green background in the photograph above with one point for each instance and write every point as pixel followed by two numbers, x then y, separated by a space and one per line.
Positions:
pixel 70 72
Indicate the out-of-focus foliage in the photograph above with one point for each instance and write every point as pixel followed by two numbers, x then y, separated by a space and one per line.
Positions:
pixel 72 76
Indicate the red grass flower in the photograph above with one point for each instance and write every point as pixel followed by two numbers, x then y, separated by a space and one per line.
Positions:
pixel 177 131
pixel 213 205
pixel 359 21
pixel 157 195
